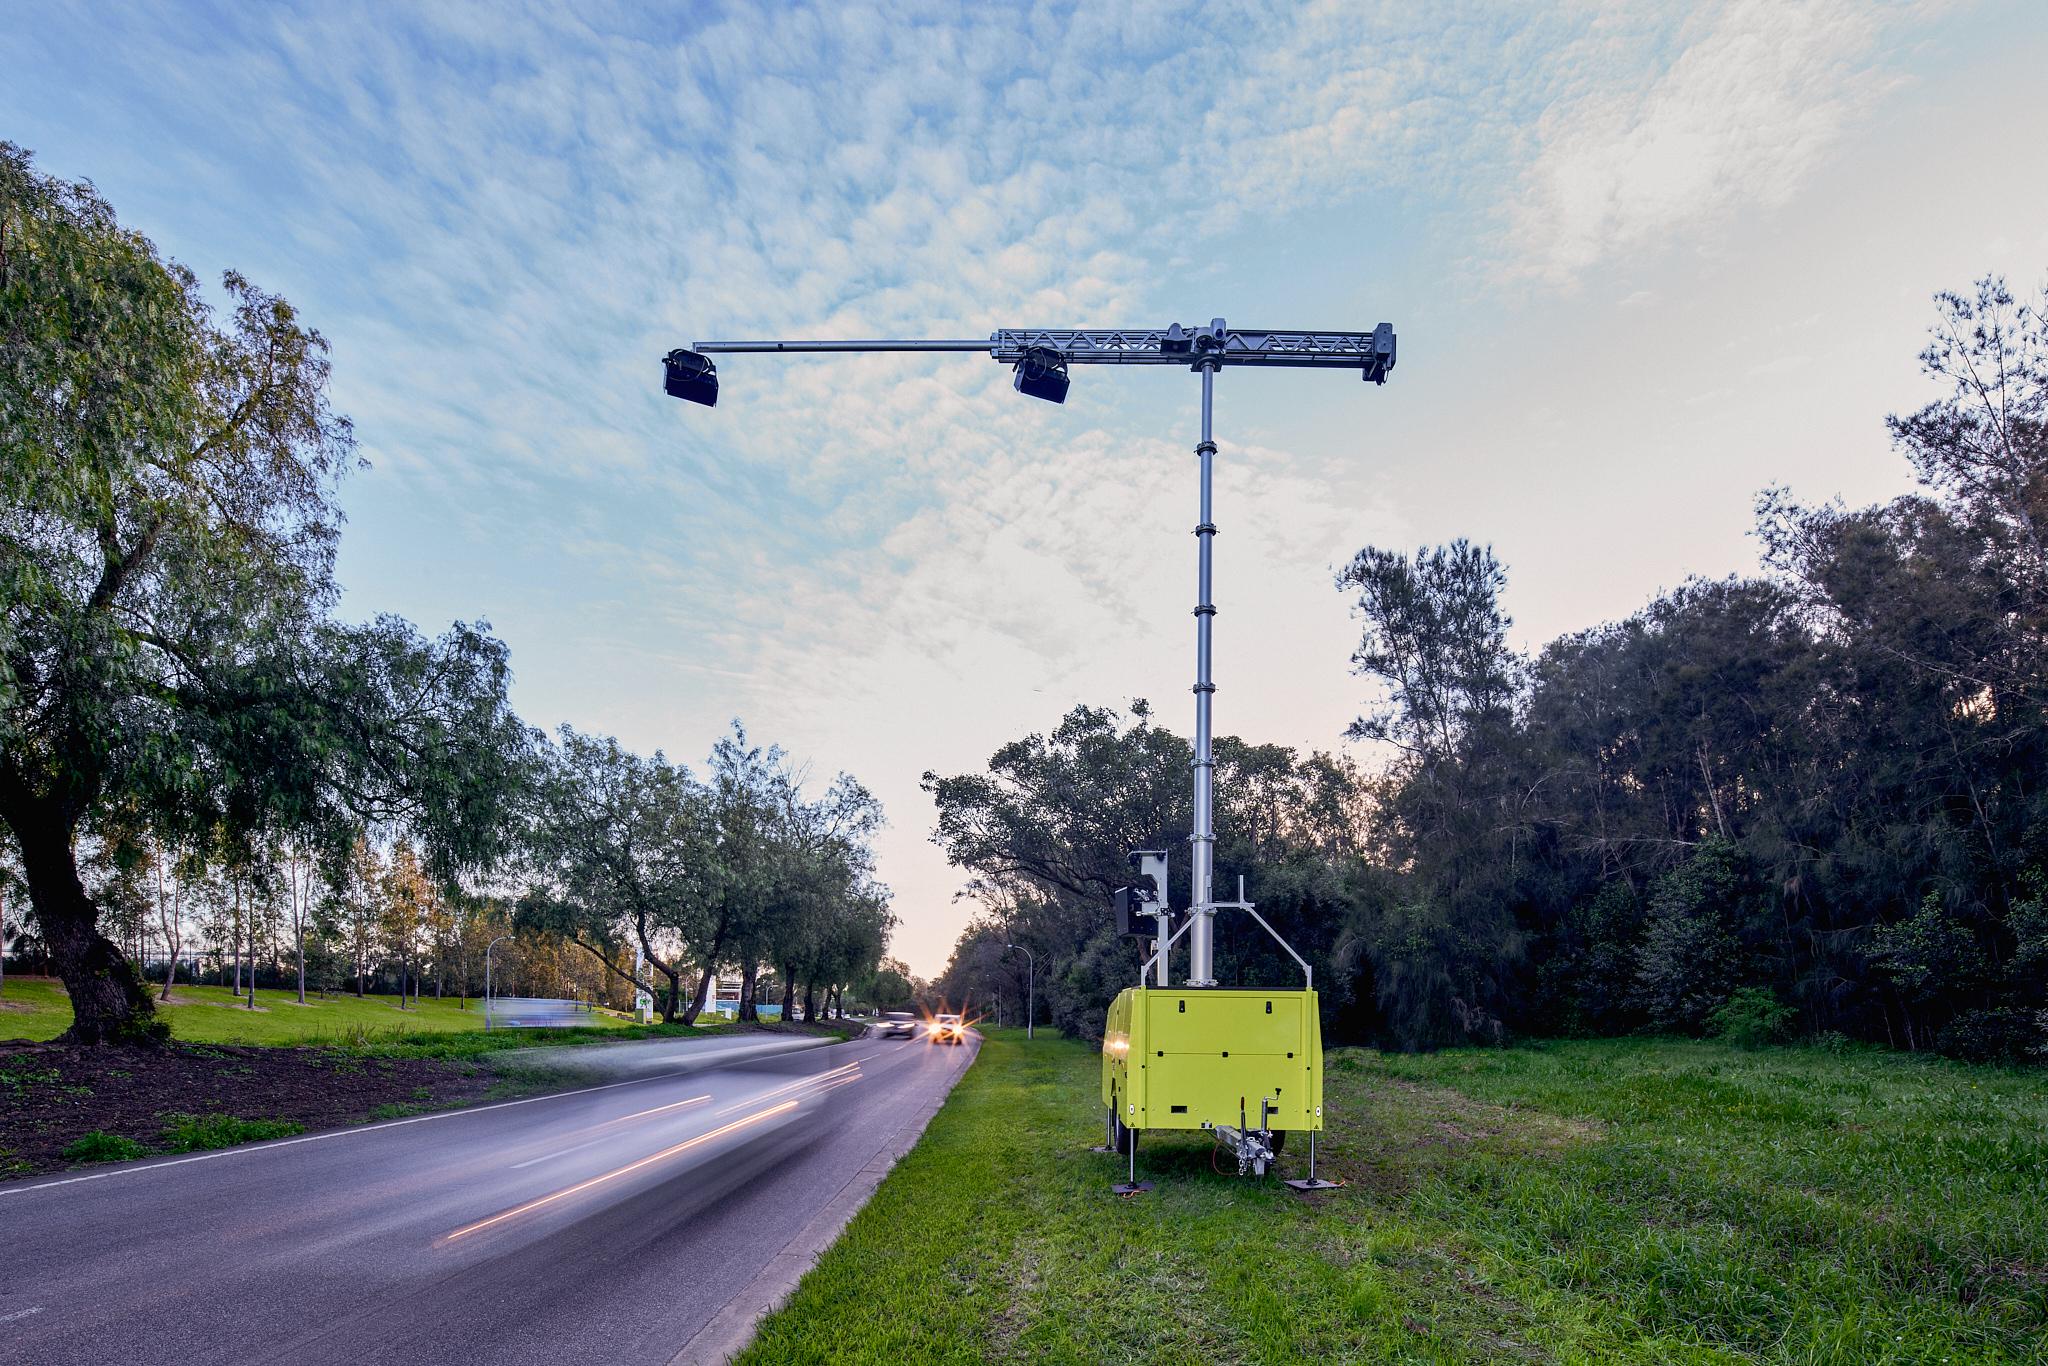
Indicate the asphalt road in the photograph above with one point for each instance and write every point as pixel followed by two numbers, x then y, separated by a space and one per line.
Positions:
pixel 604 1225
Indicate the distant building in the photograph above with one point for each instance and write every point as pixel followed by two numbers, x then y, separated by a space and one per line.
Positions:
pixel 725 1000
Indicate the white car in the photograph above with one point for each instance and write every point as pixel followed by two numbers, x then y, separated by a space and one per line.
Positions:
pixel 946 1029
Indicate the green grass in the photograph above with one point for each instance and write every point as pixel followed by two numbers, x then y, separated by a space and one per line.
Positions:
pixel 198 1133
pixel 181 1134
pixel 1627 1200
pixel 37 1008
pixel 100 1146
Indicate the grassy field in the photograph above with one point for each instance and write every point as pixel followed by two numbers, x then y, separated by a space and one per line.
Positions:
pixel 1627 1201
pixel 37 1008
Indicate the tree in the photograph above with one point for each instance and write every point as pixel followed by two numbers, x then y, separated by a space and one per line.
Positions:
pixel 167 531
pixel 1436 639
pixel 301 890
pixel 619 847
pixel 10 926
pixel 752 791
pixel 170 905
pixel 359 905
pixel 1043 833
pixel 166 501
pixel 407 894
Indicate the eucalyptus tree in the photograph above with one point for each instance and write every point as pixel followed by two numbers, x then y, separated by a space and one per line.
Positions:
pixel 752 790
pixel 825 911
pixel 621 851
pixel 167 533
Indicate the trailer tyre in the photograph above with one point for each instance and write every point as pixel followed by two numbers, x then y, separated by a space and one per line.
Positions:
pixel 1125 1138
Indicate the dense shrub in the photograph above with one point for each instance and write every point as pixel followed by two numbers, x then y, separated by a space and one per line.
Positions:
pixel 1751 1018
pixel 1996 1036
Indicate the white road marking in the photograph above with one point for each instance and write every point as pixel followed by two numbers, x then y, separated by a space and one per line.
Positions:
pixel 272 1146
pixel 21 1313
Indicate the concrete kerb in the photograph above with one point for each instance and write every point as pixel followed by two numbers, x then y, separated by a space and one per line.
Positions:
pixel 729 1331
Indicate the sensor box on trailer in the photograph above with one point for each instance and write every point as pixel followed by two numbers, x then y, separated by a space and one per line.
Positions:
pixel 1194 1058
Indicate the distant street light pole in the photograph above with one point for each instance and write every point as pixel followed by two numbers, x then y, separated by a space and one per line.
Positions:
pixel 487 978
pixel 1030 985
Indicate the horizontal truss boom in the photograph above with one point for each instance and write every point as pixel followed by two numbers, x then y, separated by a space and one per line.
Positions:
pixel 1194 346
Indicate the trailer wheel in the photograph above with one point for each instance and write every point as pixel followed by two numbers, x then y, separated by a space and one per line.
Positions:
pixel 1279 1141
pixel 1126 1138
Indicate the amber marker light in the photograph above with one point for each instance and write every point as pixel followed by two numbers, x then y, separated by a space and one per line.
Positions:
pixel 629 1168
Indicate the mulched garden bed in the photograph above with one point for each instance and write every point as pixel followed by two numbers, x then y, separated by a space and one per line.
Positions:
pixel 52 1094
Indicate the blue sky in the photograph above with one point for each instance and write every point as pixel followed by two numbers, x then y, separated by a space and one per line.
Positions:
pixel 1644 260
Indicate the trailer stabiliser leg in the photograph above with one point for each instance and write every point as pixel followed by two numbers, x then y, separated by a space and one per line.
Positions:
pixel 1133 1186
pixel 1312 1184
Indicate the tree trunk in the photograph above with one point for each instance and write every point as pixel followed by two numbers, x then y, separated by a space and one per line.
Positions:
pixel 810 1004
pixel 109 1003
pixel 299 943
pixel 704 985
pixel 170 926
pixel 672 1000
pixel 709 981
pixel 788 992
pixel 750 972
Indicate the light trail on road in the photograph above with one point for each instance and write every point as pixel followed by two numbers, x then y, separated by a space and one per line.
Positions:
pixel 614 1174
pixel 802 1086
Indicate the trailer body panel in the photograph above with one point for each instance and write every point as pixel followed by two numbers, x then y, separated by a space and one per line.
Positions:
pixel 1190 1058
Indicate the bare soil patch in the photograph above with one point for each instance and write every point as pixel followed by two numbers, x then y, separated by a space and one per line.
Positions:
pixel 52 1094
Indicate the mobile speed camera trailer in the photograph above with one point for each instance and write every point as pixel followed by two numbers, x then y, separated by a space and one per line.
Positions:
pixel 1245 1065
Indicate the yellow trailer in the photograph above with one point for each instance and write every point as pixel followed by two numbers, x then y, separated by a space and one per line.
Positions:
pixel 1246 1065
pixel 1212 1058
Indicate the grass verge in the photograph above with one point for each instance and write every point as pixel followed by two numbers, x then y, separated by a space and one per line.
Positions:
pixel 37 1008
pixel 1623 1200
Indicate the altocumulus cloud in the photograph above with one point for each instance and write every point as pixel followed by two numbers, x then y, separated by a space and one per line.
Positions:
pixel 502 214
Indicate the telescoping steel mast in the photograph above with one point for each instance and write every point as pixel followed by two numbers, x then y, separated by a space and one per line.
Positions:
pixel 1041 358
